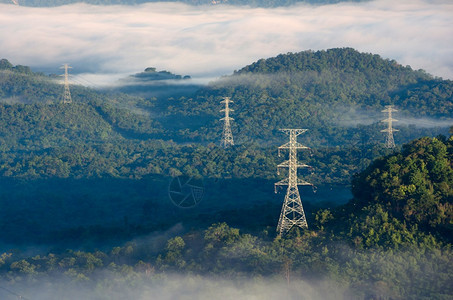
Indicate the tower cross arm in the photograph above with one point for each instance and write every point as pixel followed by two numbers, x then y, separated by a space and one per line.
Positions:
pixel 389 109
pixel 389 130
pixel 282 182
pixel 295 131
pixel 303 182
pixel 390 120
pixel 287 164
pixel 299 182
pixel 65 66
pixel 227 100
pixel 295 145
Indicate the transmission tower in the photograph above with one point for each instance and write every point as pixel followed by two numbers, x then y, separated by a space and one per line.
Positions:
pixel 292 213
pixel 389 142
pixel 67 93
pixel 227 136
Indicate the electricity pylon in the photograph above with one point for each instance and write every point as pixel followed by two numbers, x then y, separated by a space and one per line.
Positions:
pixel 389 141
pixel 292 213
pixel 227 136
pixel 67 94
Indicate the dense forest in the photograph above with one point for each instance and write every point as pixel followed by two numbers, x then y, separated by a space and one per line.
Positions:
pixel 338 94
pixel 95 176
pixel 377 246
pixel 122 142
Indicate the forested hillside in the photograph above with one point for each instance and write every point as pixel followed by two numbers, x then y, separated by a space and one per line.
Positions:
pixel 393 241
pixel 415 186
pixel 95 176
pixel 337 94
pixel 103 159
pixel 123 142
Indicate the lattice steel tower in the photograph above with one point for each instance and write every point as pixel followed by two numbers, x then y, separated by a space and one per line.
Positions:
pixel 389 141
pixel 227 136
pixel 67 94
pixel 292 213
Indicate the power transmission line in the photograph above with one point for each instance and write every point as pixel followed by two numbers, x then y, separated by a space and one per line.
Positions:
pixel 389 141
pixel 292 213
pixel 14 293
pixel 84 82
pixel 227 135
pixel 67 94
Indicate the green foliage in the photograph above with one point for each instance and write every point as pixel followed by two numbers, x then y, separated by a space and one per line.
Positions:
pixel 5 64
pixel 411 273
pixel 322 217
pixel 374 228
pixel 126 140
pixel 173 256
pixel 105 134
pixel 369 247
pixel 415 185
pixel 221 234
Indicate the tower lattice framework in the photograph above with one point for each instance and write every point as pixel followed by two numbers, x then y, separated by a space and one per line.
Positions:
pixel 389 141
pixel 66 94
pixel 292 213
pixel 227 135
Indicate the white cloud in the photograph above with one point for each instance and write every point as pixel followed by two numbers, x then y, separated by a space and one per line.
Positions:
pixel 210 41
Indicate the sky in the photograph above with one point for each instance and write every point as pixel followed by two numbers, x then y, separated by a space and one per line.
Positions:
pixel 108 42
